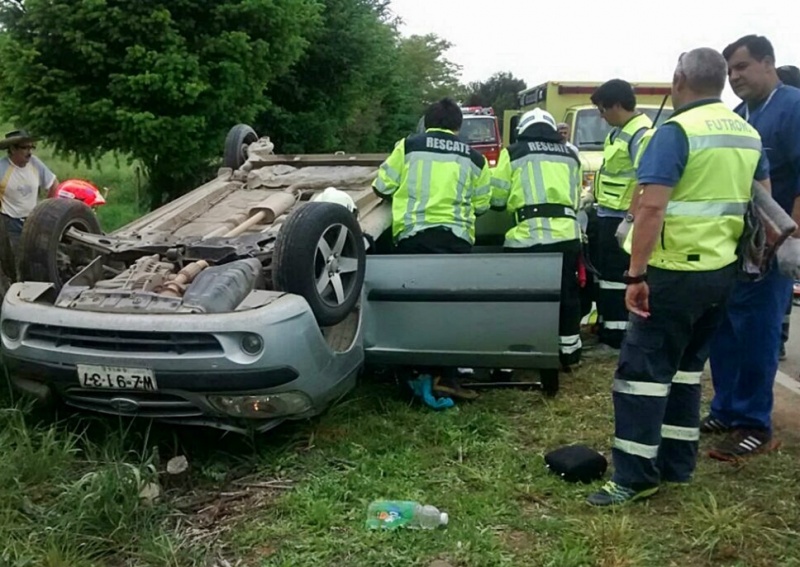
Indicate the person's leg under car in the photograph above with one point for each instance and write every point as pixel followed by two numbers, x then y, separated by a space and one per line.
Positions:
pixel 439 240
pixel 613 261
pixel 756 318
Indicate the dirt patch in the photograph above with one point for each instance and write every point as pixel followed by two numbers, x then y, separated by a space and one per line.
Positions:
pixel 786 415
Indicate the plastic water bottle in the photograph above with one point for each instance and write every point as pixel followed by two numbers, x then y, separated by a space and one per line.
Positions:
pixel 391 514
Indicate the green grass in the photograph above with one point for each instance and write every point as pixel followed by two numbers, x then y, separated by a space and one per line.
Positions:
pixel 124 180
pixel 297 496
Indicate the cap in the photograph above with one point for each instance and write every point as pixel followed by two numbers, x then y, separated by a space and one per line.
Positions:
pixel 444 518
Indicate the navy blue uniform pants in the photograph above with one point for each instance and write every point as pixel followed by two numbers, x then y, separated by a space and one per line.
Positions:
pixel 611 261
pixel 657 384
pixel 745 350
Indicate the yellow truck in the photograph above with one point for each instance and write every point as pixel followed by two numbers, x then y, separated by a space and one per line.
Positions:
pixel 570 102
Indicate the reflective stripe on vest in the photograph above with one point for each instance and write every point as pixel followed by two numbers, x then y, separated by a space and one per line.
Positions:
pixel 617 177
pixel 437 190
pixel 543 179
pixel 705 215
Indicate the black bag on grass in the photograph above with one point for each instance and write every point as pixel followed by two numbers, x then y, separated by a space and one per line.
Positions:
pixel 576 463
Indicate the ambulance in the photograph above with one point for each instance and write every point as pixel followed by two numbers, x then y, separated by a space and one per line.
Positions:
pixel 570 102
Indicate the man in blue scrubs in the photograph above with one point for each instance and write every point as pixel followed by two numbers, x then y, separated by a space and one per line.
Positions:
pixel 745 350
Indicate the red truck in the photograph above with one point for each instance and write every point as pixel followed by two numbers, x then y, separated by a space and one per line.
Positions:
pixel 480 130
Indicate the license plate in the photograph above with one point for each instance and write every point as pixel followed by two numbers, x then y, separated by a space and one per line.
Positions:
pixel 115 378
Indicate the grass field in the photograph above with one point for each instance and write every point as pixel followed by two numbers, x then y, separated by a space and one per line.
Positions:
pixel 69 491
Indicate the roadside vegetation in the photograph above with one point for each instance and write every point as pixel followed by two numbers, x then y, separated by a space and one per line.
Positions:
pixel 81 491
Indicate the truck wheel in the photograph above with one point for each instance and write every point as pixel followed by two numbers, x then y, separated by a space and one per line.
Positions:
pixel 550 382
pixel 319 255
pixel 48 254
pixel 7 260
pixel 236 142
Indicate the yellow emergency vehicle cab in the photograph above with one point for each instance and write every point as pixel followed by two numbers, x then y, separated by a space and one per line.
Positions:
pixel 570 102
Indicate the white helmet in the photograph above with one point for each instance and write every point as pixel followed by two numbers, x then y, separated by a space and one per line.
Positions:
pixel 334 195
pixel 536 116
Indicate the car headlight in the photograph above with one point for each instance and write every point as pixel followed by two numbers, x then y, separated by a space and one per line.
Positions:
pixel 251 344
pixel 262 407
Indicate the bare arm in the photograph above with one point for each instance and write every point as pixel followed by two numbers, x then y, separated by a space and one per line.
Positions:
pixel 651 207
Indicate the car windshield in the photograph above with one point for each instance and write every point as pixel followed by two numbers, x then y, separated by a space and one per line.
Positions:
pixel 478 130
pixel 591 130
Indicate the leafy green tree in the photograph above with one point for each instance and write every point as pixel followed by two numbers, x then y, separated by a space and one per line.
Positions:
pixel 159 80
pixel 498 91
pixel 360 86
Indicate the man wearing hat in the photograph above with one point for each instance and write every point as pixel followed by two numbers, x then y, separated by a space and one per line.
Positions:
pixel 22 176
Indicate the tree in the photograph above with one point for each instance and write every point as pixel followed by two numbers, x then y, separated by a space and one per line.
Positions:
pixel 499 91
pixel 325 101
pixel 159 80
pixel 433 76
pixel 360 86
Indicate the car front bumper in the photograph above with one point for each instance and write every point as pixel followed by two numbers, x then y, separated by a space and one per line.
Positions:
pixel 203 373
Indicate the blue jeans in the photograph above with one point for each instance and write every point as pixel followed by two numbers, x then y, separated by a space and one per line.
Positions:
pixel 744 352
pixel 13 229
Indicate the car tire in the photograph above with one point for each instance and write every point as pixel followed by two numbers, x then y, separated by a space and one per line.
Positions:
pixel 42 235
pixel 319 254
pixel 236 142
pixel 550 382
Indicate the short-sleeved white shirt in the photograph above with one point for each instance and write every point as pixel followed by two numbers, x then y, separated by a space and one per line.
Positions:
pixel 20 186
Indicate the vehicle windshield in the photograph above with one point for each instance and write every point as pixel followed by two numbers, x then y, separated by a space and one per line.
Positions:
pixel 478 130
pixel 591 130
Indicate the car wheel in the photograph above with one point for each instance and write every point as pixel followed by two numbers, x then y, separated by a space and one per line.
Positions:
pixel 319 255
pixel 49 255
pixel 550 382
pixel 238 139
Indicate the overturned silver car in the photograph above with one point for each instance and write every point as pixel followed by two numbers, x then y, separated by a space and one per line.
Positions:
pixel 260 296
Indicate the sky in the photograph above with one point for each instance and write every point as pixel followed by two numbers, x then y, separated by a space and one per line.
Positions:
pixel 577 40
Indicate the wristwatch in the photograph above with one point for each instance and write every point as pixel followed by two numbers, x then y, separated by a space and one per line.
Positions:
pixel 629 279
pixel 629 217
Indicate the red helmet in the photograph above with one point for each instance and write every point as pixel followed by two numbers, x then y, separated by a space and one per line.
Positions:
pixel 81 190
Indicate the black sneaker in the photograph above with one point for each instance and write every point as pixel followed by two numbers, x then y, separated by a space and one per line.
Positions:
pixel 450 388
pixel 613 494
pixel 743 443
pixel 713 425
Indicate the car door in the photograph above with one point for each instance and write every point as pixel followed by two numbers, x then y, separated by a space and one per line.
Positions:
pixel 490 310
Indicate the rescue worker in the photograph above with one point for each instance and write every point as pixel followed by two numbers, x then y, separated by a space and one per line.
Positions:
pixel 614 190
pixel 696 176
pixel 745 351
pixel 437 185
pixel 538 180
